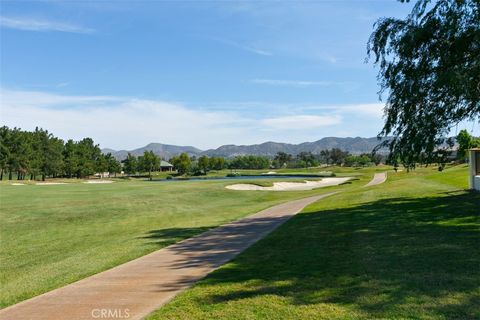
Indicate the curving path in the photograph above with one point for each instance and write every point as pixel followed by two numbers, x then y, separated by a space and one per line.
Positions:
pixel 137 288
pixel 378 178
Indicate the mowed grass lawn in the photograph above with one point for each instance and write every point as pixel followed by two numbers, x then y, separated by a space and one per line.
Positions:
pixel 407 249
pixel 53 235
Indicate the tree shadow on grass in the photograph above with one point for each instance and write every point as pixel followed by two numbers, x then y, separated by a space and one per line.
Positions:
pixel 403 257
pixel 168 236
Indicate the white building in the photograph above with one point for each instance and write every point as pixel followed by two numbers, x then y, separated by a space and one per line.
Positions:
pixel 475 169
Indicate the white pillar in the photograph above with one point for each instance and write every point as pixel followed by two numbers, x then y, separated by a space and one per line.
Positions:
pixel 473 168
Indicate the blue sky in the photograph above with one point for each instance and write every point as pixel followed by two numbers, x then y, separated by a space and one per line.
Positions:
pixel 191 73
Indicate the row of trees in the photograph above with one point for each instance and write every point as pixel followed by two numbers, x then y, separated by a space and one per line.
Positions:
pixel 249 162
pixel 39 154
pixel 332 156
pixel 185 164
pixel 148 162
pixel 197 166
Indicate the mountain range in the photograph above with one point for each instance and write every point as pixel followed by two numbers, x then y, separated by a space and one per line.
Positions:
pixel 269 149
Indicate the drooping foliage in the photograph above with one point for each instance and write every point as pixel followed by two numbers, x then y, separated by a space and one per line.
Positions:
pixel 429 68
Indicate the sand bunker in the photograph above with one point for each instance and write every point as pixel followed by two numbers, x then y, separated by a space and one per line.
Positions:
pixel 17 184
pixel 291 186
pixel 49 183
pixel 98 181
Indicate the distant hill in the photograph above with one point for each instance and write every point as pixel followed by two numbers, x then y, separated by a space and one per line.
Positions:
pixel 269 149
pixel 165 151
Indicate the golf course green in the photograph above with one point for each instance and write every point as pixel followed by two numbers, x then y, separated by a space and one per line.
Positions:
pixel 406 249
pixel 53 235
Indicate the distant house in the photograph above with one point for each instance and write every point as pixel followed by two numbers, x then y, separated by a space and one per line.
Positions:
pixel 166 166
pixel 475 169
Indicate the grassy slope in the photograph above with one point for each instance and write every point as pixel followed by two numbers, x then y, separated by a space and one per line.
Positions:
pixel 54 235
pixel 406 249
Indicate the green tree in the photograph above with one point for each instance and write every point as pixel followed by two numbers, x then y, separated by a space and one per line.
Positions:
pixel 325 157
pixel 364 160
pixel 149 162
pixel 250 162
pixel 47 155
pixel 465 141
pixel 204 164
pixel 337 156
pixel 5 137
pixel 101 164
pixel 476 142
pixel 182 163
pixel 307 159
pixel 282 159
pixel 217 163
pixel 53 163
pixel 37 156
pixel 376 158
pixel 130 164
pixel 70 158
pixel 113 165
pixel 19 154
pixel 429 65
pixel 87 153
pixel 350 161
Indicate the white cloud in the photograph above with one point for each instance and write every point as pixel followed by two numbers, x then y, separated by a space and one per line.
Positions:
pixel 372 110
pixel 249 48
pixel 127 123
pixel 30 24
pixel 62 84
pixel 257 51
pixel 301 122
pixel 369 109
pixel 297 83
pixel 45 99
pixel 118 122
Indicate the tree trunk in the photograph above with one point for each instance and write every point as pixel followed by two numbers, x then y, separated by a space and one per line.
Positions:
pixel 150 174
pixel 10 175
pixel 1 175
pixel 43 177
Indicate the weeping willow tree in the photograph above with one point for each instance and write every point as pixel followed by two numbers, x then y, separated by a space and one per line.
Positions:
pixel 429 69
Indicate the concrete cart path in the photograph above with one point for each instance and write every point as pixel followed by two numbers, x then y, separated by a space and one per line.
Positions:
pixel 137 288
pixel 378 178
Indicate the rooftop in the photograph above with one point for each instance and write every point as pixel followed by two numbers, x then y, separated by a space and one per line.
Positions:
pixel 165 164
